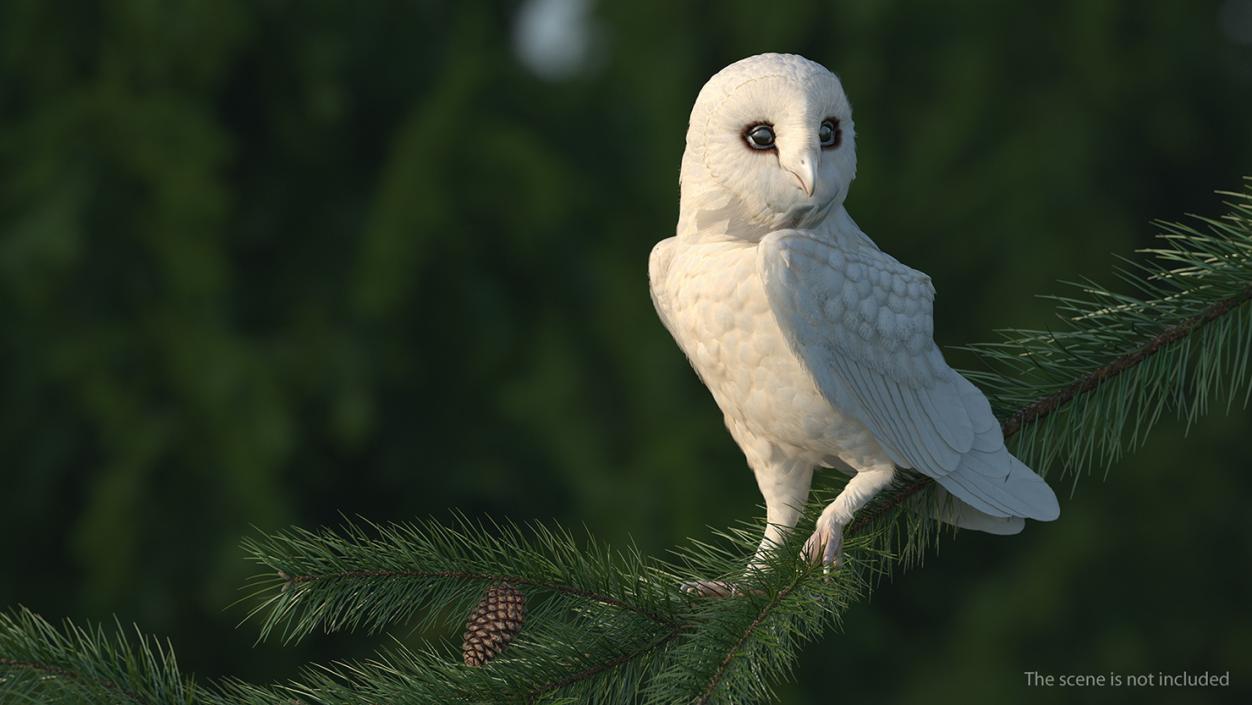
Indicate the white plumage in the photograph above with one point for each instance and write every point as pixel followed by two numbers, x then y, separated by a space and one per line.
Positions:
pixel 817 345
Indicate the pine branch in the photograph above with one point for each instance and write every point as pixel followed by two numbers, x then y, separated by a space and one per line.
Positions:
pixel 757 621
pixel 735 648
pixel 1053 402
pixel 638 611
pixel 41 664
pixel 613 627
pixel 326 579
pixel 366 577
pixel 599 668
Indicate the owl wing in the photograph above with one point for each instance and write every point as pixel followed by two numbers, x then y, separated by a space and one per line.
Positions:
pixel 863 325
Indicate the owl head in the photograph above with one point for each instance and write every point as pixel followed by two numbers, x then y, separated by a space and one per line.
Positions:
pixel 770 145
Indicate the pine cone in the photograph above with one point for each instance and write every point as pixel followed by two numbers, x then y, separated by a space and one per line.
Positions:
pixel 493 624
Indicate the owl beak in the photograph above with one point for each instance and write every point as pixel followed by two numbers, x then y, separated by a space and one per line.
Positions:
pixel 804 167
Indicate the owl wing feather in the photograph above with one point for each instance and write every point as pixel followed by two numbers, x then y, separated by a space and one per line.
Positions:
pixel 863 325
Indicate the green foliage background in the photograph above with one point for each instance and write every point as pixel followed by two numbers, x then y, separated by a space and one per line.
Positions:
pixel 265 262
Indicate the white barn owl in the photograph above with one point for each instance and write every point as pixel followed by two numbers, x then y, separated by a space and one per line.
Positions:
pixel 817 345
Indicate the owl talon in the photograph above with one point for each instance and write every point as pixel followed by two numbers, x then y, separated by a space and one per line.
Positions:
pixel 718 588
pixel 709 588
pixel 826 543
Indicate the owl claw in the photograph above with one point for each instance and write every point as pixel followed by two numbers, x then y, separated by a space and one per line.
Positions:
pixel 718 588
pixel 826 543
pixel 709 588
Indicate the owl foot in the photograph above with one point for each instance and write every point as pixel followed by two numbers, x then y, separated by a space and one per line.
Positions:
pixel 717 588
pixel 826 543
pixel 710 588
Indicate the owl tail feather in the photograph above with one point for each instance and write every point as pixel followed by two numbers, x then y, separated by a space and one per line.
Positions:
pixel 951 510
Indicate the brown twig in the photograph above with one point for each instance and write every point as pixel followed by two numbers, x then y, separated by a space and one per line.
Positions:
pixel 599 668
pixel 720 673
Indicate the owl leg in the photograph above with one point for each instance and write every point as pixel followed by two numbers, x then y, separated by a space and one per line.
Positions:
pixel 785 486
pixel 826 543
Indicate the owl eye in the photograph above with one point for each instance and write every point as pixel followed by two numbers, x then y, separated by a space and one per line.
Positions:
pixel 829 133
pixel 760 136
